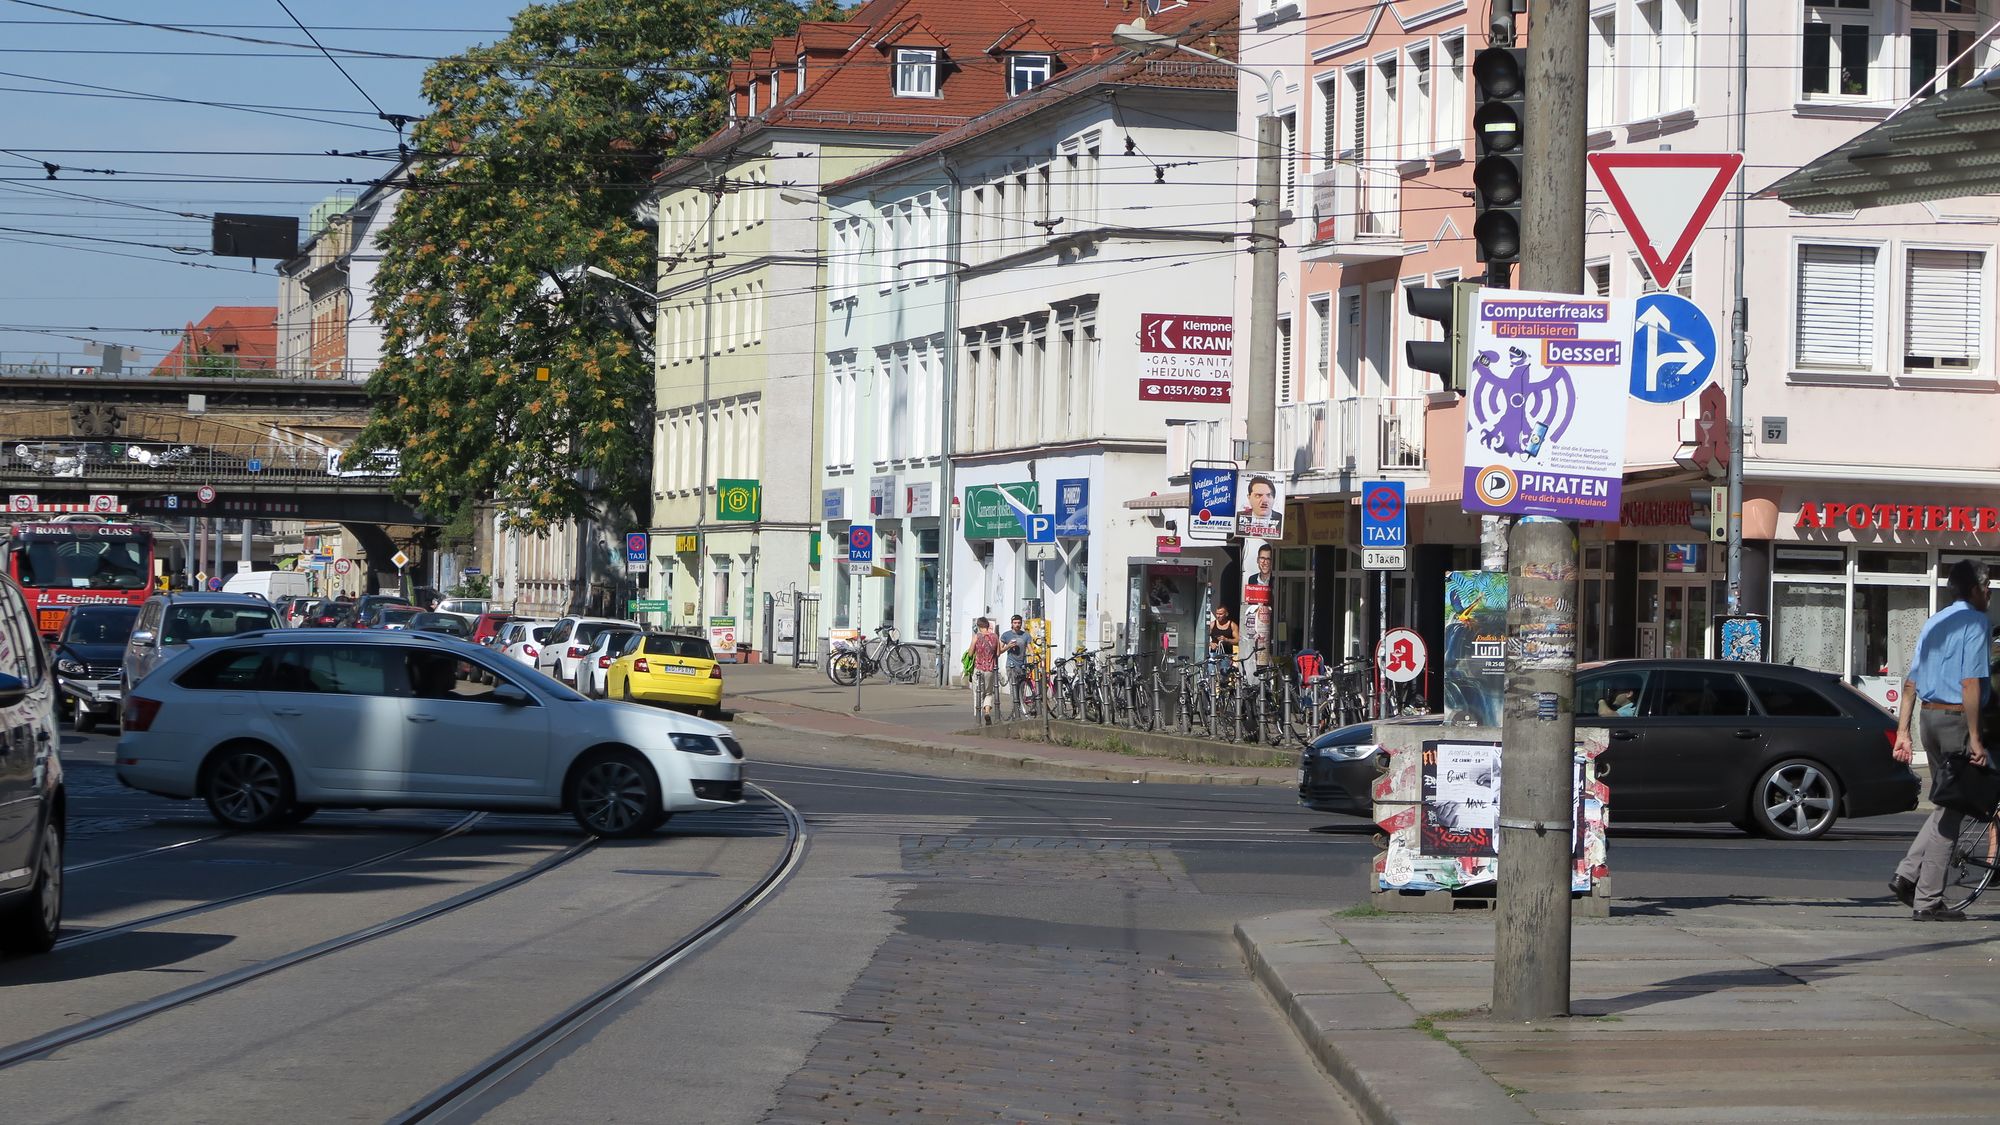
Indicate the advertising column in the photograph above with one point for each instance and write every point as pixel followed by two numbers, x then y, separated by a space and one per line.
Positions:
pixel 1260 521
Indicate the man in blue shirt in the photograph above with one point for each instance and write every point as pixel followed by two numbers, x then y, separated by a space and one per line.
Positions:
pixel 1947 684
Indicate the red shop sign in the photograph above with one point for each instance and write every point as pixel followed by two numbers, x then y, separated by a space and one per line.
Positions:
pixel 1899 517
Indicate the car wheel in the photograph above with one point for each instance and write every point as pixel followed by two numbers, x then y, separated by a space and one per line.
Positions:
pixel 247 787
pixel 1796 799
pixel 30 926
pixel 615 794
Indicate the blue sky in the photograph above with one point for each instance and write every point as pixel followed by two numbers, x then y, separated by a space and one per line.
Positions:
pixel 74 290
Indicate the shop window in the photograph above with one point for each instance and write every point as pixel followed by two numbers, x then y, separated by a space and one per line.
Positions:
pixel 1891 562
pixel 843 583
pixel 1886 621
pixel 927 584
pixel 1809 623
pixel 1808 560
pixel 887 547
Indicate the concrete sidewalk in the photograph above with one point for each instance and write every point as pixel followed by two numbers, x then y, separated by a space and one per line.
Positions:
pixel 939 723
pixel 1814 1011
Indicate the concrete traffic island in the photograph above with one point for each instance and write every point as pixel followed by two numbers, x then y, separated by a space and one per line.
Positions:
pixel 1736 1012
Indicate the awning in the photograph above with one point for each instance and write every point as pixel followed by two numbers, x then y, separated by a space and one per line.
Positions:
pixel 1944 147
pixel 1169 560
pixel 1450 494
pixel 1160 501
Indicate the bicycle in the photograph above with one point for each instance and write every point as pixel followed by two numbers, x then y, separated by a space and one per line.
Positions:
pixel 1024 691
pixel 1975 854
pixel 901 661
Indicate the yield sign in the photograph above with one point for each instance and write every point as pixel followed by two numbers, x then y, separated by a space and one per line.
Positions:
pixel 1664 199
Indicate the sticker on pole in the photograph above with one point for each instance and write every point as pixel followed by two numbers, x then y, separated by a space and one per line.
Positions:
pixel 1402 655
pixel 1673 348
pixel 1664 199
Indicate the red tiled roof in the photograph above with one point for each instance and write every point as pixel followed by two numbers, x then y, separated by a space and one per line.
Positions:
pixel 1209 23
pixel 245 334
pixel 852 90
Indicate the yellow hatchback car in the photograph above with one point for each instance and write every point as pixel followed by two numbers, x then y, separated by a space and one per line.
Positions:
pixel 667 668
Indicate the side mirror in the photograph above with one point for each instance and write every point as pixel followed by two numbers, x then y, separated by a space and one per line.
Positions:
pixel 511 695
pixel 13 689
pixel 142 637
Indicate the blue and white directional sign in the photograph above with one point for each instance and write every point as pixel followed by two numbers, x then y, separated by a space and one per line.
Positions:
pixel 1673 348
pixel 861 543
pixel 255 465
pixel 1041 527
pixel 1383 522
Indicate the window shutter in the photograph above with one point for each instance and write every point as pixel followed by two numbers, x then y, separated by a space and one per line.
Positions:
pixel 1836 310
pixel 1944 317
pixel 1284 360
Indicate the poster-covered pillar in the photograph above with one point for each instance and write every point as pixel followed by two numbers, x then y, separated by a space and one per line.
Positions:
pixel 1260 522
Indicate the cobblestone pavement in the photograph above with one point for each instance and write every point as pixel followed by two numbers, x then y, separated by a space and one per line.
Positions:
pixel 1124 1008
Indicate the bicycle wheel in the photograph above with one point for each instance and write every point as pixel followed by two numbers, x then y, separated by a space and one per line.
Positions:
pixel 844 668
pixel 903 663
pixel 1142 705
pixel 1973 855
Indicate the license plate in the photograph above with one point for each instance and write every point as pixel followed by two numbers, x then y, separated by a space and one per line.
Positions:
pixel 1302 775
pixel 678 670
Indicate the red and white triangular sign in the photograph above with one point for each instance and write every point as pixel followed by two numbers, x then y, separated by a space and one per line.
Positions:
pixel 1664 199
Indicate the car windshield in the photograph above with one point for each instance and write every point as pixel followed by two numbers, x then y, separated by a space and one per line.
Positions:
pixel 394 614
pixel 100 625
pixel 193 622
pixel 94 564
pixel 669 644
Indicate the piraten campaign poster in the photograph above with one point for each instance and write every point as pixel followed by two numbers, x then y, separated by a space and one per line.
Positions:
pixel 1545 404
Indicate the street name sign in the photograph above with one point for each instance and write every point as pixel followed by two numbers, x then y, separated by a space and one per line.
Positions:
pixel 1664 199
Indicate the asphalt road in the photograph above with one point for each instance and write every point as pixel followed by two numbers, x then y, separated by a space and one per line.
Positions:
pixel 964 941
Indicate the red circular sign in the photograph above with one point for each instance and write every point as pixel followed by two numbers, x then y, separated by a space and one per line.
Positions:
pixel 1383 504
pixel 205 494
pixel 1206 514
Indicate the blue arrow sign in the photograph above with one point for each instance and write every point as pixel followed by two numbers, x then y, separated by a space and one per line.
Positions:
pixel 1383 518
pixel 1673 348
pixel 1041 527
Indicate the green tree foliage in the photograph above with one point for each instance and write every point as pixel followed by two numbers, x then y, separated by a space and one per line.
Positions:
pixel 537 159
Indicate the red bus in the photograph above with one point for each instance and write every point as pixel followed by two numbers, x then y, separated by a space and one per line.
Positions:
pixel 63 565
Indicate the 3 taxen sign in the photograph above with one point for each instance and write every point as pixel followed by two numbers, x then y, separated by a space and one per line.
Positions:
pixel 1185 358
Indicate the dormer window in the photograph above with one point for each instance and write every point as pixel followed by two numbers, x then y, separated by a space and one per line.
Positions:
pixel 753 97
pixel 802 73
pixel 774 89
pixel 916 73
pixel 1025 72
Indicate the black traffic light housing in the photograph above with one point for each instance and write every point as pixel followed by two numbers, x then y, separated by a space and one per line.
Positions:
pixel 1500 75
pixel 1451 307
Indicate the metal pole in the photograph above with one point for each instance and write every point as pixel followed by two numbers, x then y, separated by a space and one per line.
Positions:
pixel 1739 325
pixel 190 564
pixel 1260 394
pixel 1531 950
pixel 246 546
pixel 1382 622
pixel 707 355
pixel 948 411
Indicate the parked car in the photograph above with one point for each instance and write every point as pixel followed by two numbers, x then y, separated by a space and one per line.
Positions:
pixel 488 626
pixel 32 797
pixel 396 616
pixel 328 614
pixel 610 645
pixel 288 747
pixel 469 608
pixel 528 638
pixel 168 622
pixel 569 640
pixel 447 624
pixel 368 610
pixel 89 655
pixel 669 668
pixel 1770 748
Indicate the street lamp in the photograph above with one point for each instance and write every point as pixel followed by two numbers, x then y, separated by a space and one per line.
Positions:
pixel 1260 401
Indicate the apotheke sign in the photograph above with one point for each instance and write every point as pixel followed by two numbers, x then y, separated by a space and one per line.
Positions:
pixel 1818 516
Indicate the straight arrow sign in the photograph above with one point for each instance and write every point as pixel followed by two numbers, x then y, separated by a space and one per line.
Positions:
pixel 1664 199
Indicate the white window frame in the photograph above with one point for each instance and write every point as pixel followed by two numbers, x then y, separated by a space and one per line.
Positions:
pixel 1420 80
pixel 1966 23
pixel 1453 127
pixel 1330 135
pixel 1981 304
pixel 1288 354
pixel 916 72
pixel 1836 17
pixel 1642 281
pixel 1025 72
pixel 1319 308
pixel 1288 142
pixel 1877 302
pixel 1603 64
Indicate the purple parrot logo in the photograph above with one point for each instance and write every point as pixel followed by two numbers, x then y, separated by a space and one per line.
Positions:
pixel 1515 413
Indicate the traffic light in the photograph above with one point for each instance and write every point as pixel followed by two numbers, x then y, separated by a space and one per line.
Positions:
pixel 1500 75
pixel 1451 307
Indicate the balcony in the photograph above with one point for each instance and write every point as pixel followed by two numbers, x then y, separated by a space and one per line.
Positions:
pixel 1207 440
pixel 1357 216
pixel 1338 438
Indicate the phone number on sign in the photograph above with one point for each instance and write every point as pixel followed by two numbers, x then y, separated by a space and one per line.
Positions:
pixel 1156 390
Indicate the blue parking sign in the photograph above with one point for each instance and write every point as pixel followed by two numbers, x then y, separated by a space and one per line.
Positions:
pixel 1383 519
pixel 861 543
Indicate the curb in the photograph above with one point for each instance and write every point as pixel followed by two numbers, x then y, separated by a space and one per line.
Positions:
pixel 1362 1033
pixel 1015 759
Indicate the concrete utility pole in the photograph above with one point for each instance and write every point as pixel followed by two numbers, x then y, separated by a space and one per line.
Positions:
pixel 1739 324
pixel 1531 947
pixel 1260 398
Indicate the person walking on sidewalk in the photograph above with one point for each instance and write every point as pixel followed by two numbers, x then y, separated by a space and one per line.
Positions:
pixel 985 667
pixel 1014 642
pixel 1947 685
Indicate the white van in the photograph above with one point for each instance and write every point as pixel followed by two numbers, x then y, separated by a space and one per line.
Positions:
pixel 269 584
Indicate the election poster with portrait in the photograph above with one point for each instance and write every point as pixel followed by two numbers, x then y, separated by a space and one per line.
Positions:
pixel 1260 506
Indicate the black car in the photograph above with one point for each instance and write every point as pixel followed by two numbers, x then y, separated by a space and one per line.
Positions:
pixel 31 785
pixel 449 624
pixel 1769 748
pixel 369 609
pixel 89 655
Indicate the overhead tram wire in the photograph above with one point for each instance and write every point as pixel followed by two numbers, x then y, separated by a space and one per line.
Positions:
pixel 399 120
